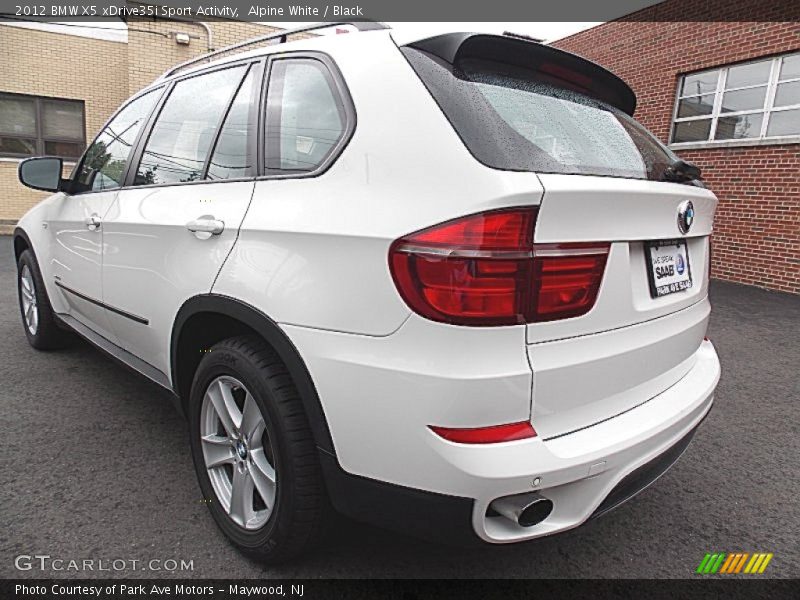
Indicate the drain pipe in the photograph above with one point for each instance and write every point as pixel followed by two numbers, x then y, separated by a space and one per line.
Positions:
pixel 209 35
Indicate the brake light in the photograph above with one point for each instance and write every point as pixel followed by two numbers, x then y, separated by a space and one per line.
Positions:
pixel 487 435
pixel 579 80
pixel 566 279
pixel 484 269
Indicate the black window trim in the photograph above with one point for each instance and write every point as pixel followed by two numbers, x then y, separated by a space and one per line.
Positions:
pixel 256 142
pixel 141 143
pixel 256 69
pixel 79 164
pixel 39 137
pixel 334 76
pixel 164 88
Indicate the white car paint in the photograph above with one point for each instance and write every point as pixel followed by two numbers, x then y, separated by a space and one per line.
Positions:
pixel 76 256
pixel 329 236
pixel 606 391
pixel 148 248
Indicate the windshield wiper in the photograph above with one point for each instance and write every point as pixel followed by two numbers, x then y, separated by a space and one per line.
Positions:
pixel 680 171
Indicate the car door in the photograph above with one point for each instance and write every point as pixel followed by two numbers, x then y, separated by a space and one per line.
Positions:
pixel 75 225
pixel 168 233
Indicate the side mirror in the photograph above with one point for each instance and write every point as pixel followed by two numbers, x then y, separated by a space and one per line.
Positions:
pixel 43 173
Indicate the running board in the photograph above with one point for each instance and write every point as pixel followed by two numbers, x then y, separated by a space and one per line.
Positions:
pixel 119 354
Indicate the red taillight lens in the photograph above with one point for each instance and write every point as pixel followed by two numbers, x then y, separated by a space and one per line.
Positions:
pixel 485 270
pixel 471 271
pixel 510 229
pixel 566 278
pixel 487 435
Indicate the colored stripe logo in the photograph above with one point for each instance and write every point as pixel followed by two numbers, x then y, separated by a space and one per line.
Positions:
pixel 731 563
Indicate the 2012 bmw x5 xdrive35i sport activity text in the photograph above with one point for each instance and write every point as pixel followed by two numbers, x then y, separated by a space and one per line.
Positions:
pixel 448 285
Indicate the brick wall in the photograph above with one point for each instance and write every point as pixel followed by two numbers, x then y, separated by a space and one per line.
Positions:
pixel 62 66
pixel 757 229
pixel 152 48
pixel 101 73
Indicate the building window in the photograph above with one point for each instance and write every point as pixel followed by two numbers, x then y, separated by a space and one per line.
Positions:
pixel 751 101
pixel 34 126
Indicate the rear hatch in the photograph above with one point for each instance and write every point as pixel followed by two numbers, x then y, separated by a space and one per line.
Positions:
pixel 641 334
pixel 632 215
pixel 609 187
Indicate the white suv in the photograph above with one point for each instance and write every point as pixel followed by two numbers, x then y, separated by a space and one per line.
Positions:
pixel 447 285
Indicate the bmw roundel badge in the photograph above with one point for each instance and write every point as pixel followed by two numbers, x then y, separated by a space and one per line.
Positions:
pixel 685 216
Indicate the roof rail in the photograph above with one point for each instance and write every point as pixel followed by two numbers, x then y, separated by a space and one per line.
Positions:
pixel 281 36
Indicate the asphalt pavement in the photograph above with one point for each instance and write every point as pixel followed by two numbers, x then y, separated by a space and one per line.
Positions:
pixel 95 464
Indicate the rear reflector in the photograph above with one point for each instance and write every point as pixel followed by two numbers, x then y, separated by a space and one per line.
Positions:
pixel 487 435
pixel 484 270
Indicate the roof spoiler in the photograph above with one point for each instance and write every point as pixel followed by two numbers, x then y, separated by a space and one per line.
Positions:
pixel 573 71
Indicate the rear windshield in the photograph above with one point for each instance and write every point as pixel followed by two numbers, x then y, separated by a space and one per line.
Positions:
pixel 518 119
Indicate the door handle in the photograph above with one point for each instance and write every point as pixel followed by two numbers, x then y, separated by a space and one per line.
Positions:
pixel 93 222
pixel 205 226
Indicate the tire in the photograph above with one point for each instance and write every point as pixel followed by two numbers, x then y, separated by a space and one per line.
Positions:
pixel 254 376
pixel 38 320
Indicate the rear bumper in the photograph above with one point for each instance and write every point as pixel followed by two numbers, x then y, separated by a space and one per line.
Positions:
pixel 595 469
pixel 448 519
pixel 379 394
pixel 640 479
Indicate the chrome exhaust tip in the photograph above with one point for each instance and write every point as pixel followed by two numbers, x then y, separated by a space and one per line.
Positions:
pixel 526 510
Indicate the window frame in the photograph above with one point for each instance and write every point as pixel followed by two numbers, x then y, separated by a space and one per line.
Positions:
pixel 334 75
pixel 123 106
pixel 256 141
pixel 767 109
pixel 144 137
pixel 40 139
pixel 256 68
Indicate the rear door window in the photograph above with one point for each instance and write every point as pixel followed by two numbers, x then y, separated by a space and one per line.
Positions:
pixel 232 156
pixel 181 138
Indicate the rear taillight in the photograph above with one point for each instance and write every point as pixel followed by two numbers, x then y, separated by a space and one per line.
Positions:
pixel 566 278
pixel 472 271
pixel 485 270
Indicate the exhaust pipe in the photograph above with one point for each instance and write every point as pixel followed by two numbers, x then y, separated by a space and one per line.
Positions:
pixel 525 510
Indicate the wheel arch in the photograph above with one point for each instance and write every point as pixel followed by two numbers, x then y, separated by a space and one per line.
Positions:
pixel 21 243
pixel 237 317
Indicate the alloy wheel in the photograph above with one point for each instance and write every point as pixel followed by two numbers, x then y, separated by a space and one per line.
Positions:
pixel 237 452
pixel 27 290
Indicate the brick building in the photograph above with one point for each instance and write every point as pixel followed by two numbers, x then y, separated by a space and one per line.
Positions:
pixel 60 84
pixel 725 96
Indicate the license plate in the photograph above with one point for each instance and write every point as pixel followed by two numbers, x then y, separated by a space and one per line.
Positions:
pixel 668 267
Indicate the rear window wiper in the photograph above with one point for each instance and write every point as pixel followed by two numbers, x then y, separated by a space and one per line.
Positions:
pixel 680 171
